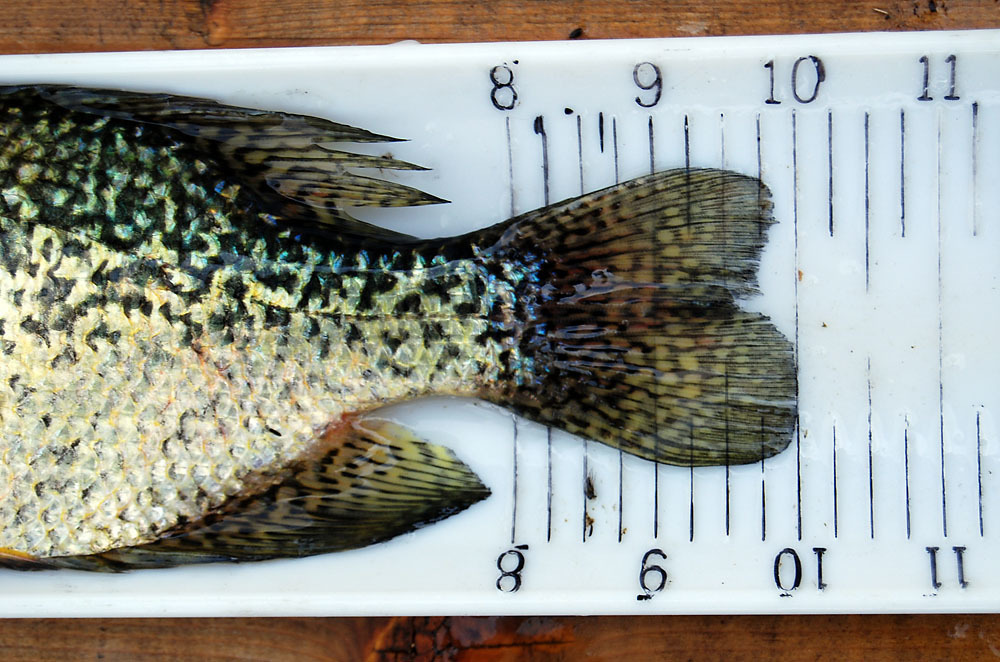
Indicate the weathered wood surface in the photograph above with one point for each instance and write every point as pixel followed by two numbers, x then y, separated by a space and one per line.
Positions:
pixel 36 26
pixel 508 639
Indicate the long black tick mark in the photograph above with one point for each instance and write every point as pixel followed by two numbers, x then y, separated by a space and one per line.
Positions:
pixel 540 130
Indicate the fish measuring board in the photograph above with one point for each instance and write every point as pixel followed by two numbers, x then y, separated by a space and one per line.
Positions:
pixel 882 152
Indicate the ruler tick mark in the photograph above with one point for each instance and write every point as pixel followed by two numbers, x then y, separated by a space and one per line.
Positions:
pixel 867 205
pixel 795 281
pixel 513 514
pixel 836 504
pixel 763 488
pixel 902 172
pixel 600 130
pixel 691 485
pixel 979 470
pixel 940 293
pixel 652 159
pixel 579 148
pixel 726 435
pixel 687 144
pixel 621 489
pixel 656 499
pixel 906 472
pixel 871 473
pixel 722 160
pixel 687 172
pixel 760 176
pixel 722 139
pixel 588 488
pixel 540 130
pixel 548 501
pixel 975 167
pixel 510 166
pixel 829 165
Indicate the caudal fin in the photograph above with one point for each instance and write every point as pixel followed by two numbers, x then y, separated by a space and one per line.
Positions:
pixel 633 335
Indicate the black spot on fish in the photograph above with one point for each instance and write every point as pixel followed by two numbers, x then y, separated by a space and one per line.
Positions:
pixel 73 247
pixel 130 302
pixel 433 332
pixel 391 342
pixel 312 328
pixel 365 298
pixel 353 334
pixel 408 304
pixel 33 326
pixel 276 317
pixel 236 289
pixel 278 278
pixel 99 277
pixel 65 358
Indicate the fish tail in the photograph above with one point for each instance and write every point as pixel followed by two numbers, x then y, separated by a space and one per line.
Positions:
pixel 631 330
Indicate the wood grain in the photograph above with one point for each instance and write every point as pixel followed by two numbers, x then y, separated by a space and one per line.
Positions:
pixel 35 26
pixel 506 639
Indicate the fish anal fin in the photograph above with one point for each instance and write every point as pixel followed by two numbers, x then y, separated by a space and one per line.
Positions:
pixel 374 481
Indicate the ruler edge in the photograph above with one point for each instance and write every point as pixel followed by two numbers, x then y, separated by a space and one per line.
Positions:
pixel 976 40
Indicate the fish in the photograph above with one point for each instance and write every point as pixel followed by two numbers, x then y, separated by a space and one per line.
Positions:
pixel 198 336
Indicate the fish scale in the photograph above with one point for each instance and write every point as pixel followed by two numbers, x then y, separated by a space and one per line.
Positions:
pixel 200 389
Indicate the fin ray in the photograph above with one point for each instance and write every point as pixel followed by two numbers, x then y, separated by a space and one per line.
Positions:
pixel 287 160
pixel 379 481
pixel 633 335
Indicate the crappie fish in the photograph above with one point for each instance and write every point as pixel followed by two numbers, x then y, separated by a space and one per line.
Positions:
pixel 196 335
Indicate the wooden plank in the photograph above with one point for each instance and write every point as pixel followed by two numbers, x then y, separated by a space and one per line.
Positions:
pixel 463 639
pixel 34 26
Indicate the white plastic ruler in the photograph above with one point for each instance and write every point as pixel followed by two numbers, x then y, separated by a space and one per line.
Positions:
pixel 883 155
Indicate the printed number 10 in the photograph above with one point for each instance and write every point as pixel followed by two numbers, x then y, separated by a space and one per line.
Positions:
pixel 820 74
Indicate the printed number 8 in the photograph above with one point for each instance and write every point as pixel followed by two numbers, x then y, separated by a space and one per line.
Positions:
pixel 514 573
pixel 501 99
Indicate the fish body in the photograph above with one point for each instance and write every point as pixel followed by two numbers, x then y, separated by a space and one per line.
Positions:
pixel 192 329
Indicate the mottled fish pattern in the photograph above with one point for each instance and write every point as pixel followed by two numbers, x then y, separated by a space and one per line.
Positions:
pixel 194 332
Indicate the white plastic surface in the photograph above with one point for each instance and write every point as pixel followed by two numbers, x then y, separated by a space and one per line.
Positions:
pixel 894 313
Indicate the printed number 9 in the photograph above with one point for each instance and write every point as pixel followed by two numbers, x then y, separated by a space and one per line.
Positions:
pixel 655 84
pixel 651 572
pixel 514 574
pixel 503 95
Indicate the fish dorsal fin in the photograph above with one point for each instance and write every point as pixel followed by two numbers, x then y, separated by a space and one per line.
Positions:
pixel 289 160
pixel 377 481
